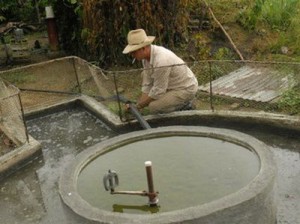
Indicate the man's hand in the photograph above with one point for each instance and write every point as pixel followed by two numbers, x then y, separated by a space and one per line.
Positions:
pixel 143 101
pixel 127 107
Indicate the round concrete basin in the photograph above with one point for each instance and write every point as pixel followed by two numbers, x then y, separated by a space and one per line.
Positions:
pixel 203 175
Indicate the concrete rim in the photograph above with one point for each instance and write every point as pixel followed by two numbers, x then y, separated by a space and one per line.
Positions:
pixel 260 185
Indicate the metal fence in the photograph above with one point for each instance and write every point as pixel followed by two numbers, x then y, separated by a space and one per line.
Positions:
pixel 249 85
pixel 223 85
pixel 12 122
pixel 232 85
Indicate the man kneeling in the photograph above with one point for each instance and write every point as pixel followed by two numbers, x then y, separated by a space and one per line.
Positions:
pixel 168 83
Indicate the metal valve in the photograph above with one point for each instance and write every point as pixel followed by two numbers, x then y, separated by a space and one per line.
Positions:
pixel 111 181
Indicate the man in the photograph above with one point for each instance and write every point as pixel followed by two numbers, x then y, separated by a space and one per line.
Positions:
pixel 168 84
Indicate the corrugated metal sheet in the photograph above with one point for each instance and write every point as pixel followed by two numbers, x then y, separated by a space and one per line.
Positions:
pixel 251 83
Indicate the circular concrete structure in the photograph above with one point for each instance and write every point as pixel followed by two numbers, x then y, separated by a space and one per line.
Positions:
pixel 253 203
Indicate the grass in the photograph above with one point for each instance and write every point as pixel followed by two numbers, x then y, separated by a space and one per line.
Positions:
pixel 18 77
pixel 290 101
pixel 277 14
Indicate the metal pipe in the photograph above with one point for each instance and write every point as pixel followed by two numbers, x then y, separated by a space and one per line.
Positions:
pixel 138 116
pixel 111 180
pixel 51 29
pixel 153 200
pixel 134 111
pixel 141 193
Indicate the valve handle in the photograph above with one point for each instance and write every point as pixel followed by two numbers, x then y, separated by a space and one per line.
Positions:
pixel 110 180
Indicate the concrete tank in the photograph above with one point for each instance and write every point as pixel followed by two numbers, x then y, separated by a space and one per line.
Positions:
pixel 244 196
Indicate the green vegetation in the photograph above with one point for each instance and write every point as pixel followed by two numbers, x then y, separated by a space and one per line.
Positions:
pixel 280 18
pixel 224 53
pixel 292 37
pixel 18 77
pixel 277 14
pixel 28 11
pixel 290 101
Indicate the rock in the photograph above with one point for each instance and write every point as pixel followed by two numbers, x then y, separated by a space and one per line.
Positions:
pixel 234 106
pixel 284 50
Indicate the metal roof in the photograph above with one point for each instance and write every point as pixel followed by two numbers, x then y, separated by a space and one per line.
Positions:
pixel 251 83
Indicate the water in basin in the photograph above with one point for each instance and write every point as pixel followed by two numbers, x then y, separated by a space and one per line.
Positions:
pixel 187 170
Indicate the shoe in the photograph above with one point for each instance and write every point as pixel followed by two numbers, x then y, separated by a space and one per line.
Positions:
pixel 188 106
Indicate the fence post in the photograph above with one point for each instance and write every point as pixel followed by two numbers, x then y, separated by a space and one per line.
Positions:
pixel 23 117
pixel 76 74
pixel 210 87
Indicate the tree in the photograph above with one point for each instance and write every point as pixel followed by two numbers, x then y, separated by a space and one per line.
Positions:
pixel 97 29
pixel 21 10
pixel 106 24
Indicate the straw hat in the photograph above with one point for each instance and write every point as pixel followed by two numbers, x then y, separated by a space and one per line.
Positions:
pixel 136 40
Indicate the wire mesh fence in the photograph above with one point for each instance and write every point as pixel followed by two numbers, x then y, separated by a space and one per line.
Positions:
pixel 251 84
pixel 232 85
pixel 11 115
pixel 248 85
pixel 223 85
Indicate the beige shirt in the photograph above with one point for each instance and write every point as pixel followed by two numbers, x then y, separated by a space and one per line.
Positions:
pixel 165 72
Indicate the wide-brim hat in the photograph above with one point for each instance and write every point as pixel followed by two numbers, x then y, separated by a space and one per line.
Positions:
pixel 137 39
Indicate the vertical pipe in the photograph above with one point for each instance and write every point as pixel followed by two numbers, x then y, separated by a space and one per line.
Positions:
pixel 51 29
pixel 152 194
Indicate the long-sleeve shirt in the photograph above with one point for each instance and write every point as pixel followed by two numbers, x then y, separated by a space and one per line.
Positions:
pixel 165 72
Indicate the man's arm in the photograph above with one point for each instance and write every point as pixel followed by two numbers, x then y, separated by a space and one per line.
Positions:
pixel 144 101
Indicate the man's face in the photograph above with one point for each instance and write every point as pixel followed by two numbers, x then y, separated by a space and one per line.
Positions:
pixel 138 54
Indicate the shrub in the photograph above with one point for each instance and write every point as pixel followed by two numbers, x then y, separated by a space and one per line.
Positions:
pixel 276 14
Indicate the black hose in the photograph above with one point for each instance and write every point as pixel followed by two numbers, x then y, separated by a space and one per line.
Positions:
pixel 138 116
pixel 135 112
